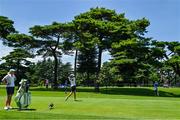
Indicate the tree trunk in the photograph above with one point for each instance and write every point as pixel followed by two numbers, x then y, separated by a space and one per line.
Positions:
pixel 18 73
pixel 178 69
pixel 88 79
pixel 75 63
pixel 55 86
pixel 175 79
pixel 99 59
pixel 98 70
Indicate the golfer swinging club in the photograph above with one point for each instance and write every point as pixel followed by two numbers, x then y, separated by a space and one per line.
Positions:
pixel 73 87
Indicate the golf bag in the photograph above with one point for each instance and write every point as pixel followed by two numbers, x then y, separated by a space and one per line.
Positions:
pixel 23 96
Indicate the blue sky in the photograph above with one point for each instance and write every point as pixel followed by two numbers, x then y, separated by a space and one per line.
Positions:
pixel 164 15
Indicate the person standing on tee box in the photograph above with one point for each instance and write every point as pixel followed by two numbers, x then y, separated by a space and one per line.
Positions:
pixel 9 81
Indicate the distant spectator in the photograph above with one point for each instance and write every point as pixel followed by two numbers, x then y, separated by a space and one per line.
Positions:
pixel 166 85
pixel 46 83
pixel 156 88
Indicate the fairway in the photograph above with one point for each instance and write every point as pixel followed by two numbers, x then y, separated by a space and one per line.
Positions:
pixel 116 103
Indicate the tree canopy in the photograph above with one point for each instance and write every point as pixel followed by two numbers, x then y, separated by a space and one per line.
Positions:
pixel 136 59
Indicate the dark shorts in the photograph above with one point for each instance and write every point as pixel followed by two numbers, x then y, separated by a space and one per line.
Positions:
pixel 10 90
pixel 73 88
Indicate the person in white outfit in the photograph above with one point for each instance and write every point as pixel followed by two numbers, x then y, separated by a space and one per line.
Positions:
pixel 73 87
pixel 9 81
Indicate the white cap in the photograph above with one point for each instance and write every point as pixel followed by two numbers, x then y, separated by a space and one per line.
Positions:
pixel 71 75
pixel 12 70
pixel 22 80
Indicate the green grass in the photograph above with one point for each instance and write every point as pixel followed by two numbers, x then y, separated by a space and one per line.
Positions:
pixel 115 103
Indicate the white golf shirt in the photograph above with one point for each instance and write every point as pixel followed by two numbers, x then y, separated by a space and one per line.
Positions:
pixel 9 78
pixel 72 81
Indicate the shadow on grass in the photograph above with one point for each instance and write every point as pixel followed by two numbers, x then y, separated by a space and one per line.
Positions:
pixel 79 89
pixel 136 91
pixel 49 116
pixel 23 109
pixel 49 89
pixel 78 100
pixel 117 91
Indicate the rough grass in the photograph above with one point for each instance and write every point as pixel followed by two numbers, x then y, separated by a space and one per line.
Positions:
pixel 113 103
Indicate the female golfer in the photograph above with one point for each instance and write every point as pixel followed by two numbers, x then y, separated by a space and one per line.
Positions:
pixel 9 80
pixel 73 87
